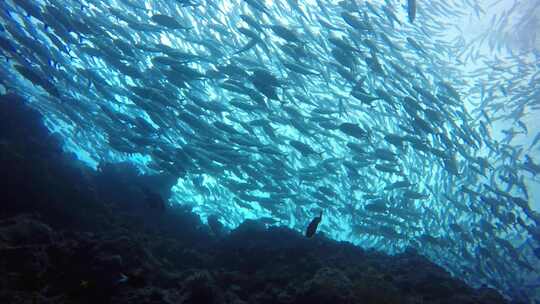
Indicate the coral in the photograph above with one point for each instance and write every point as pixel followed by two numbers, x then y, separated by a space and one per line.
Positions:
pixel 327 285
pixel 67 237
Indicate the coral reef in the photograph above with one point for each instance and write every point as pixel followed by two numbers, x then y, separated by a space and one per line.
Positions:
pixel 69 234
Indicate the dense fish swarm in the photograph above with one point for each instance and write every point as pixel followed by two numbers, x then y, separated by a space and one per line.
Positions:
pixel 279 109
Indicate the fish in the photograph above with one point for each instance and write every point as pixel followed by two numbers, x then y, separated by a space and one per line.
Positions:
pixel 312 227
pixel 411 10
pixel 535 141
pixel 531 166
pixel 272 109
pixel 168 22
pixel 353 130
pixel 398 184
pixel 303 148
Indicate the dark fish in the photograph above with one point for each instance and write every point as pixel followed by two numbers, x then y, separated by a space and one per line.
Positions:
pixel 530 166
pixel 353 130
pixel 303 148
pixel 7 46
pixel 168 22
pixel 36 78
pixel 285 33
pixel 312 227
pixel 535 140
pixel 411 10
pixel 258 5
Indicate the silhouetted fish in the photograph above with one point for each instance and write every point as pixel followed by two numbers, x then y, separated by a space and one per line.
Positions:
pixel 312 227
pixel 411 10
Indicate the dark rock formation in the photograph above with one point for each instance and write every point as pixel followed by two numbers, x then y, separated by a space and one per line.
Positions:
pixel 69 234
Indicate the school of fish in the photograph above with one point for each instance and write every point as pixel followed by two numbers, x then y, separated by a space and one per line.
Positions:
pixel 280 109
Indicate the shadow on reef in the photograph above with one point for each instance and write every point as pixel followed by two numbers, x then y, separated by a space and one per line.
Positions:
pixel 69 234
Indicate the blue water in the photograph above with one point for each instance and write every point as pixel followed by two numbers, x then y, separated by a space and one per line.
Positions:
pixel 277 110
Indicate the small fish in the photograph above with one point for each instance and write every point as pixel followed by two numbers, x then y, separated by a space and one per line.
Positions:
pixel 312 227
pixel 535 141
pixel 530 166
pixel 411 10
pixel 168 22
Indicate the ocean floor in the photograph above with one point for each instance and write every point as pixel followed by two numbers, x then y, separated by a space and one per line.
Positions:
pixel 70 234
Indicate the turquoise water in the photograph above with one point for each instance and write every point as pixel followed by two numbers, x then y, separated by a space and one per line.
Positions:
pixel 402 134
